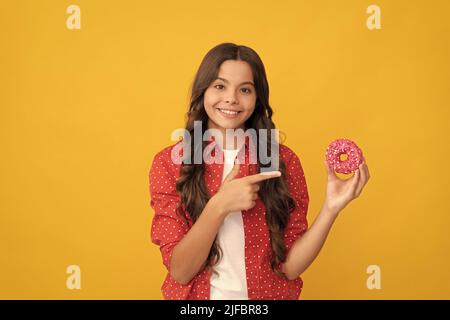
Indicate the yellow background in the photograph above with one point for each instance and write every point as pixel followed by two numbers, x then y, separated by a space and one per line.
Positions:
pixel 83 112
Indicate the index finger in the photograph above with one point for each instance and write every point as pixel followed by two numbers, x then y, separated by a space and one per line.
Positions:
pixel 263 176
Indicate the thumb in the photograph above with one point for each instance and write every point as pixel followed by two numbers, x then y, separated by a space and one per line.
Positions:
pixel 233 173
pixel 330 171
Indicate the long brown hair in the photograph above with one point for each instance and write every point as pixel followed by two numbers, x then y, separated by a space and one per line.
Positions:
pixel 191 184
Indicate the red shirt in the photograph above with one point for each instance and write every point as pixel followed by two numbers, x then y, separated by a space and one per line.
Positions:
pixel 168 228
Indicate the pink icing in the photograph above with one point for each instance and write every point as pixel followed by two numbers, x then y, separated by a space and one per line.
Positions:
pixel 348 147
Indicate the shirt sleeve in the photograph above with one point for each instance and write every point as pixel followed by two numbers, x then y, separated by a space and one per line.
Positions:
pixel 168 228
pixel 297 224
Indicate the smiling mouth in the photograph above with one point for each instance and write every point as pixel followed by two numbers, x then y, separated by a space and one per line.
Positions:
pixel 229 112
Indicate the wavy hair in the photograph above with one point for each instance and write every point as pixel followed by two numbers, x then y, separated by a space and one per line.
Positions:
pixel 191 185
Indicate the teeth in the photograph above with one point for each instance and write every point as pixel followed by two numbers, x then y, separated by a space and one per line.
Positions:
pixel 229 111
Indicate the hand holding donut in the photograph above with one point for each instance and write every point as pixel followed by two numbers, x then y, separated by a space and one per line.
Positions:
pixel 340 192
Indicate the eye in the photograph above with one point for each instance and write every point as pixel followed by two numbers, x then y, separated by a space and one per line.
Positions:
pixel 248 90
pixel 218 85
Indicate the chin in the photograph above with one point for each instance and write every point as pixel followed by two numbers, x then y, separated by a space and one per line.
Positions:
pixel 229 124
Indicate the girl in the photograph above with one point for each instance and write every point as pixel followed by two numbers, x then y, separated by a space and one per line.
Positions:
pixel 226 231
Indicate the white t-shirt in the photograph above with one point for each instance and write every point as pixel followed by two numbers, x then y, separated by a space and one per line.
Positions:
pixel 231 281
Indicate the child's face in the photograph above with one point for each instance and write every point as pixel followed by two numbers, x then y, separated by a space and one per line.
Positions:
pixel 231 101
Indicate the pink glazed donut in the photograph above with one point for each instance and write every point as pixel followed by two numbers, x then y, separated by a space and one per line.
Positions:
pixel 348 147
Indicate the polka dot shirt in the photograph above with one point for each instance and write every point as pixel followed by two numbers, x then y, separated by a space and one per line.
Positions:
pixel 168 228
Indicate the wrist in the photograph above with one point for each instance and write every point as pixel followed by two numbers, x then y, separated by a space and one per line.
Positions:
pixel 329 210
pixel 216 205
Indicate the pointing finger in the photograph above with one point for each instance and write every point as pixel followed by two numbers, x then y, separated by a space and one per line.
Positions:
pixel 263 176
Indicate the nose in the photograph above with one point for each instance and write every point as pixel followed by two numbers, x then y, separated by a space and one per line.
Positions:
pixel 229 96
pixel 231 99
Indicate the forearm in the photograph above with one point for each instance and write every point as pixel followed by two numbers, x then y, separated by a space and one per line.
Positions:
pixel 305 249
pixel 191 252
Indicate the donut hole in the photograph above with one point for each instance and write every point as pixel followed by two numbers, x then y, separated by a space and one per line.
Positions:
pixel 344 176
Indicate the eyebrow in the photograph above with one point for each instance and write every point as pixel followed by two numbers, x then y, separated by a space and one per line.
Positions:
pixel 226 81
